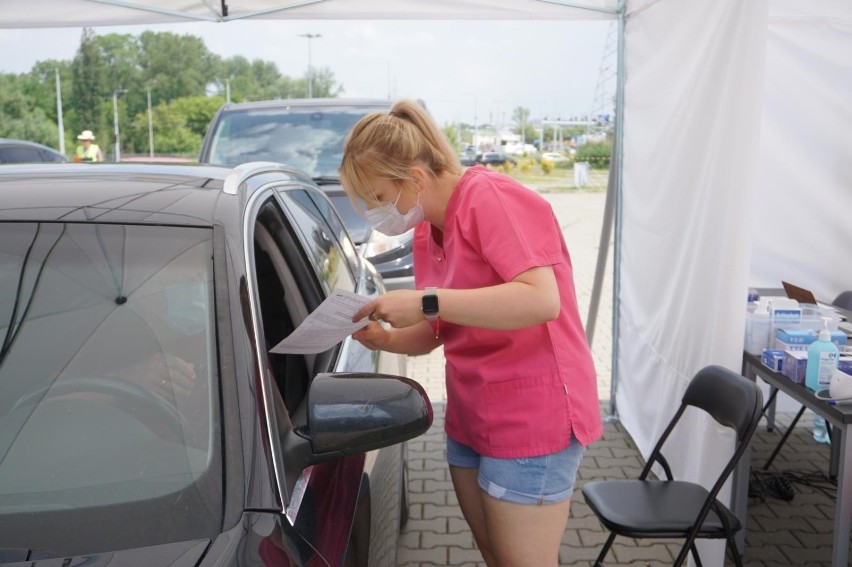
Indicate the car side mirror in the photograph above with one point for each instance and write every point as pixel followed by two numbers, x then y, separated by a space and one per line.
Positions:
pixel 350 413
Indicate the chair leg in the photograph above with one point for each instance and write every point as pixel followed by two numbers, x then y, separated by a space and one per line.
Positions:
pixel 735 554
pixel 599 561
pixel 695 556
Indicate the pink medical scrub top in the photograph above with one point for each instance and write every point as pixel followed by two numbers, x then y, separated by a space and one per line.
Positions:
pixel 518 393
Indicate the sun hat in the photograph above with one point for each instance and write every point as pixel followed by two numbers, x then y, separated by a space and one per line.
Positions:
pixel 86 135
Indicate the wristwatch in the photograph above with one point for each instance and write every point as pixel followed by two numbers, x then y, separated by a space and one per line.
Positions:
pixel 429 303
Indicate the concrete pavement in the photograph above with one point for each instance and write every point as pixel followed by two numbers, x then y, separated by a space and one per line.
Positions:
pixel 778 532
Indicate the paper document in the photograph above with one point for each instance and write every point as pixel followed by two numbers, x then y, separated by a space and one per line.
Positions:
pixel 326 326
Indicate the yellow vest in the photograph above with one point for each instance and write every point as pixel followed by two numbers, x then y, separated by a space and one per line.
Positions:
pixel 88 155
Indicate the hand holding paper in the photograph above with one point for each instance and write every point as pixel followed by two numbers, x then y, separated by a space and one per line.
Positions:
pixel 326 326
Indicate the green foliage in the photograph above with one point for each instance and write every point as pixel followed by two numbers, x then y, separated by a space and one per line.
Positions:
pixel 20 117
pixel 177 71
pixel 87 73
pixel 452 135
pixel 597 154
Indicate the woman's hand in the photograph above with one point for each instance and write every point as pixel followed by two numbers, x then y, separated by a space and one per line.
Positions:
pixel 374 336
pixel 400 307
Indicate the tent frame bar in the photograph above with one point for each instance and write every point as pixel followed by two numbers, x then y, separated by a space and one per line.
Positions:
pixel 612 211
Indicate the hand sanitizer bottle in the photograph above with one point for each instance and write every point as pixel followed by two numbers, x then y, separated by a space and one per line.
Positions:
pixel 822 359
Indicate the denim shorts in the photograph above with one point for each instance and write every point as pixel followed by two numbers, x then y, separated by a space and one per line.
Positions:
pixel 530 480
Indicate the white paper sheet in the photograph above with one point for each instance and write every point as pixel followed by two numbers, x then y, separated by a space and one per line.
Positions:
pixel 326 326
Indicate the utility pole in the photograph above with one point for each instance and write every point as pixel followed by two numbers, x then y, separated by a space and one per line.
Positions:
pixel 150 126
pixel 310 37
pixel 115 93
pixel 59 122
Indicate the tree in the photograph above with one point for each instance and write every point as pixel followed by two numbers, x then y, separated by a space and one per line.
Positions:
pixel 20 117
pixel 178 65
pixel 179 125
pixel 87 72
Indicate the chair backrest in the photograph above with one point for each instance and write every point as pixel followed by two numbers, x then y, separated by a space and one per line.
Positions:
pixel 727 396
pixel 844 300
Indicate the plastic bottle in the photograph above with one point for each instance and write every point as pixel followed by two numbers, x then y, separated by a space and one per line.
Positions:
pixel 822 362
pixel 822 359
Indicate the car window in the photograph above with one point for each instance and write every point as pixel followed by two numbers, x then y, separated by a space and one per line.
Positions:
pixel 19 154
pixel 306 138
pixel 325 211
pixel 50 157
pixel 107 368
pixel 332 262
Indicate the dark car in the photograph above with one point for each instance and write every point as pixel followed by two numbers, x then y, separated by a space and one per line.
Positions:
pixel 309 134
pixel 143 420
pixel 22 151
pixel 495 158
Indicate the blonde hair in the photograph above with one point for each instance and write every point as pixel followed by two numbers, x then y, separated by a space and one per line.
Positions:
pixel 387 145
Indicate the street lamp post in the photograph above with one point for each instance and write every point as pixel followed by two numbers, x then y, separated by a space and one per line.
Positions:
pixel 115 93
pixel 150 126
pixel 310 36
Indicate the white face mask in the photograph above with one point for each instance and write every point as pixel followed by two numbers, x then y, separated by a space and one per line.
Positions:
pixel 388 220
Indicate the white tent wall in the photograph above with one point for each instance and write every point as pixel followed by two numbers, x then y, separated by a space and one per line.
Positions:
pixel 802 205
pixel 693 88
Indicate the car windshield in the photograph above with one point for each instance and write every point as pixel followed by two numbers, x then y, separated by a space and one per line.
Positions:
pixel 107 373
pixel 309 138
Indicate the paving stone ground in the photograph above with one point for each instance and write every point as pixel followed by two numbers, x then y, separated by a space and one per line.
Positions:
pixel 779 533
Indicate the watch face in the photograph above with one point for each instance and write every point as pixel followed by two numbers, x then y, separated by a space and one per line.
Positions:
pixel 430 304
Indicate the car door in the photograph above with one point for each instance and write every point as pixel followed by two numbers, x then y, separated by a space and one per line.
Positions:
pixel 297 261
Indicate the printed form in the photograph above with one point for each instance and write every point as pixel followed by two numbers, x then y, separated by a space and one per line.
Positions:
pixel 326 326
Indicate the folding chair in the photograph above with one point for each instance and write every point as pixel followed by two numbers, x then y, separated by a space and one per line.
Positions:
pixel 668 508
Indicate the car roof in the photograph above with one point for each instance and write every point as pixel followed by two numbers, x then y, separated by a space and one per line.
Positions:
pixel 117 193
pixel 308 103
pixel 26 143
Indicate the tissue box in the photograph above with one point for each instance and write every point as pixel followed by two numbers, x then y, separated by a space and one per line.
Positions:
pixel 800 339
pixel 773 359
pixel 795 364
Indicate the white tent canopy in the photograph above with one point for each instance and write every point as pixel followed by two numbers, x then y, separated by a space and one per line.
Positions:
pixel 68 13
pixel 734 121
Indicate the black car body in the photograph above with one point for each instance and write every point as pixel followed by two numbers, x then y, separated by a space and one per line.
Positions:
pixel 309 134
pixel 143 420
pixel 22 151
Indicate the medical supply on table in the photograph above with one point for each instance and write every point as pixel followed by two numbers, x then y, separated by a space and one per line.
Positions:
pixel 822 360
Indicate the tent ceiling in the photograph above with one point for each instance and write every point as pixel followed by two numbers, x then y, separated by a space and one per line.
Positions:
pixel 77 13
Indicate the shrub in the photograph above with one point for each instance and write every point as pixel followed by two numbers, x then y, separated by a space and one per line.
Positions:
pixel 596 154
pixel 547 166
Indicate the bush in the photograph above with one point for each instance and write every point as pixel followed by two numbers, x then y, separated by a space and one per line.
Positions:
pixel 596 154
pixel 547 166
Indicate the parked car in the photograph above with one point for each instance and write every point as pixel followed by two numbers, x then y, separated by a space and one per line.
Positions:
pixel 495 158
pixel 22 151
pixel 554 156
pixel 143 420
pixel 309 134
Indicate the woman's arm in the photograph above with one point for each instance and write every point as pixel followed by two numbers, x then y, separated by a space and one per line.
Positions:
pixel 531 298
pixel 413 340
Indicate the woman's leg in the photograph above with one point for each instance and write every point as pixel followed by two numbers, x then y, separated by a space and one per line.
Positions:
pixel 525 535
pixel 470 498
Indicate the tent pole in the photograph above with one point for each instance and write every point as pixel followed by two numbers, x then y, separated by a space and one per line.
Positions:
pixel 618 202
pixel 612 210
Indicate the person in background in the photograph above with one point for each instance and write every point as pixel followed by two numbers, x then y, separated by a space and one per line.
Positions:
pixel 495 289
pixel 88 150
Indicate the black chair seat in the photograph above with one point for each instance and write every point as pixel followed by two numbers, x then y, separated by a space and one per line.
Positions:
pixel 655 508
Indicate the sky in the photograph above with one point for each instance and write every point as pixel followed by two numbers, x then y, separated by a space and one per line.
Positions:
pixel 473 72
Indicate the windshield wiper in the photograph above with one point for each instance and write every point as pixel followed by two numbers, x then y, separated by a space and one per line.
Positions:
pixel 327 180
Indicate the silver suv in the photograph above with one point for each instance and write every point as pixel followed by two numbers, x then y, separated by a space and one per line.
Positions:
pixel 308 134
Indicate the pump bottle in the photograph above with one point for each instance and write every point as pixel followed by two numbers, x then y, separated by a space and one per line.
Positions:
pixel 822 359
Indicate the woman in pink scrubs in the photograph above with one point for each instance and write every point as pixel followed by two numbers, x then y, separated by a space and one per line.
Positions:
pixel 495 288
